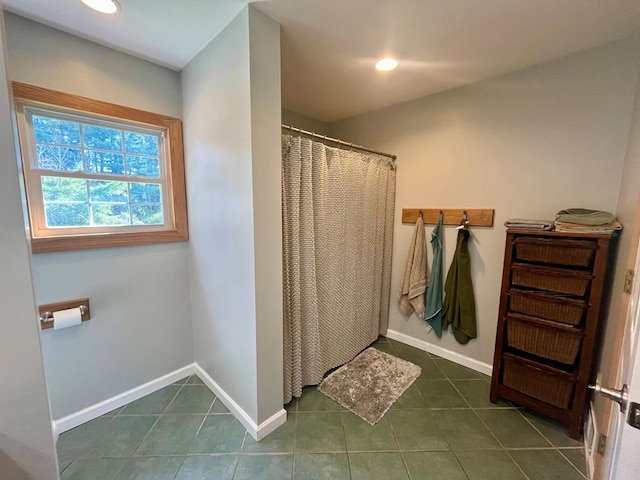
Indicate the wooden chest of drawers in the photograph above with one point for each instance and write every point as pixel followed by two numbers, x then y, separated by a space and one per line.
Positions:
pixel 551 306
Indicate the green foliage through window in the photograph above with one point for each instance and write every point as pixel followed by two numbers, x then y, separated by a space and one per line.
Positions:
pixel 89 151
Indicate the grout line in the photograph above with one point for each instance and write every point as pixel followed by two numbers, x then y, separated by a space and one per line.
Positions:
pixel 570 462
pixel 181 463
pixel 156 422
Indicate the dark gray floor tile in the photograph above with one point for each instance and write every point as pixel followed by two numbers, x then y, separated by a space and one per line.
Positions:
pixel 476 393
pixel 154 403
pixel 420 358
pixel 489 465
pixel 114 412
pixel 545 465
pixel 553 431
pixel 410 398
pixel 171 435
pixel 122 436
pixel 454 371
pixel 73 442
pixel 192 399
pixel 511 430
pixel 433 466
pixel 377 466
pixel 385 347
pixel 280 441
pixel 314 401
pixel 292 406
pixel 182 381
pixel 151 468
pixel 463 430
pixel 577 458
pixel 219 434
pixel 194 380
pixel 362 437
pixel 93 469
pixel 321 466
pixel 440 394
pixel 218 407
pixel 319 432
pixel 272 467
pixel 417 430
pixel 208 467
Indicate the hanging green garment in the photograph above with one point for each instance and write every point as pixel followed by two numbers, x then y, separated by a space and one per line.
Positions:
pixel 433 314
pixel 459 308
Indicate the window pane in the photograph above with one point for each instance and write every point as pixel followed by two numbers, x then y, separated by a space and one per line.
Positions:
pixel 141 143
pixel 104 162
pixel 111 192
pixel 59 158
pixel 110 214
pixel 52 130
pixel 143 166
pixel 60 189
pixel 66 214
pixel 146 193
pixel 147 215
pixel 102 137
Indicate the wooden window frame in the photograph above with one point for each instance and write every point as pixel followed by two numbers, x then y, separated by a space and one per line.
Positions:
pixel 176 231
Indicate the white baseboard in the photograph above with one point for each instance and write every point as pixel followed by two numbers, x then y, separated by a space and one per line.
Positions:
pixel 441 352
pixel 258 432
pixel 94 411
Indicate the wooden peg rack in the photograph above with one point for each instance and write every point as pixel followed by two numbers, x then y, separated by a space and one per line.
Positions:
pixel 477 217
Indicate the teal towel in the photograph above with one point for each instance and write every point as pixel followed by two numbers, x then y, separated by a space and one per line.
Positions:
pixel 459 309
pixel 433 314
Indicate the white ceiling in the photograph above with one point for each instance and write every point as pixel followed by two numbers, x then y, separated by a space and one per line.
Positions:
pixel 329 47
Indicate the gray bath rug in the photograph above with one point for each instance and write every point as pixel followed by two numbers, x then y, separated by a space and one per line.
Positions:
pixel 370 383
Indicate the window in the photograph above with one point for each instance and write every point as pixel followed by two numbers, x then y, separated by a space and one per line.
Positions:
pixel 98 174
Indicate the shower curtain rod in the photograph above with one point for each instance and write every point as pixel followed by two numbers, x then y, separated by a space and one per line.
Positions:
pixel 339 142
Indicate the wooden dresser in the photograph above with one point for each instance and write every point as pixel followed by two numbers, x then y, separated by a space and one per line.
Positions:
pixel 553 293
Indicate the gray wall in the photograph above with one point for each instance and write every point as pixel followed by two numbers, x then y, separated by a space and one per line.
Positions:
pixel 526 144
pixel 141 325
pixel 298 120
pixel 26 441
pixel 231 95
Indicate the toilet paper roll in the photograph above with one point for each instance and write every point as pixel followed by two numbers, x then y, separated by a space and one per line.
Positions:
pixel 67 318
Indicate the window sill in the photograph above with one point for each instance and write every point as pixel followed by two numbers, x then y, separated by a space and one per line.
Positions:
pixel 106 240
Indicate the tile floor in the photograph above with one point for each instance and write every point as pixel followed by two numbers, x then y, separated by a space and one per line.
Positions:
pixel 443 427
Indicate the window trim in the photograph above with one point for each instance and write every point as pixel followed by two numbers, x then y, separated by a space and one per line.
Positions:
pixel 177 231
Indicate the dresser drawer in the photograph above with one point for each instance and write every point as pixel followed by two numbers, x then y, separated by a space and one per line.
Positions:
pixel 539 381
pixel 553 279
pixel 543 338
pixel 548 306
pixel 568 252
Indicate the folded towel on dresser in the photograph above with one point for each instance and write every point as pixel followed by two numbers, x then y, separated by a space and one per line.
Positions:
pixel 414 284
pixel 584 216
pixel 527 224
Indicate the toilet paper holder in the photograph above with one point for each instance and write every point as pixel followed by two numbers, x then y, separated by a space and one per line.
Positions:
pixel 46 311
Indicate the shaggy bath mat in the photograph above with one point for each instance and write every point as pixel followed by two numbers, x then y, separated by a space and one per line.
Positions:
pixel 370 383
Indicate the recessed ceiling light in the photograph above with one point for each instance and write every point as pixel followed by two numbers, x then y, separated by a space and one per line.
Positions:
pixel 103 6
pixel 385 64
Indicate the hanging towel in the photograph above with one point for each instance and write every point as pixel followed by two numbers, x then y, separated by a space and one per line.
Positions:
pixel 433 315
pixel 459 308
pixel 414 284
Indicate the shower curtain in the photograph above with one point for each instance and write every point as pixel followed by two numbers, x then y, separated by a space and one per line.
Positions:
pixel 337 241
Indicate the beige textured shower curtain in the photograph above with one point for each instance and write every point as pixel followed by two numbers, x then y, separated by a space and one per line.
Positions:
pixel 337 241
